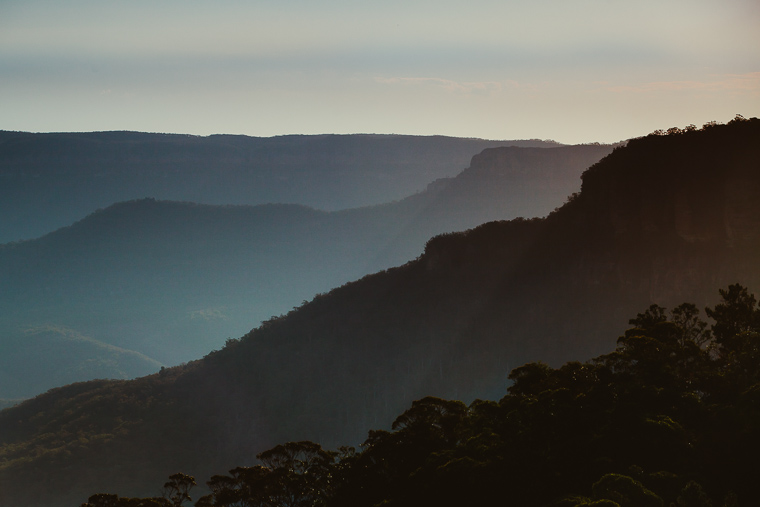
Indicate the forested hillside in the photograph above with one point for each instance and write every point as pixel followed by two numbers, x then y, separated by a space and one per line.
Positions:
pixel 665 219
pixel 172 281
pixel 48 181
pixel 669 418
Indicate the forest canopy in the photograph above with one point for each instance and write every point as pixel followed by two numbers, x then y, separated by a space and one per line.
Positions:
pixel 670 417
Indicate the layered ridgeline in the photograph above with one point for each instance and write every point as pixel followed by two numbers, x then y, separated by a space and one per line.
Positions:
pixel 666 219
pixel 172 281
pixel 48 181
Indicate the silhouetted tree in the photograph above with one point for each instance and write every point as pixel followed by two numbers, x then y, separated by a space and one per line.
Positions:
pixel 737 314
pixel 177 489
pixel 295 474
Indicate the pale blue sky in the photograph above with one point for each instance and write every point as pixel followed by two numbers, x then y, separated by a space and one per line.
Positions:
pixel 574 71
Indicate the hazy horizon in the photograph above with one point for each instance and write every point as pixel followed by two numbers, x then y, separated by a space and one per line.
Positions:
pixel 589 71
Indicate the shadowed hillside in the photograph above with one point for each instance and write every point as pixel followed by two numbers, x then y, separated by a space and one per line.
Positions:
pixel 666 219
pixel 668 418
pixel 174 280
pixel 48 181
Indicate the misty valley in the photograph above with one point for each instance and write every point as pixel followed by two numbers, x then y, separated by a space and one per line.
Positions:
pixel 369 320
pixel 149 282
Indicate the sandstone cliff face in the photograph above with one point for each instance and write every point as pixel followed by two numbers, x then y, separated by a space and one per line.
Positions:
pixel 701 186
pixel 532 179
pixel 682 211
pixel 668 219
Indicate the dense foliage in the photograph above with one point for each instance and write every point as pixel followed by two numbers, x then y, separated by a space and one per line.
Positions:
pixel 671 417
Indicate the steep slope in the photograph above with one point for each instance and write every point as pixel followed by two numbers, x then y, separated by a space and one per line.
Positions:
pixel 48 181
pixel 175 280
pixel 500 183
pixel 665 219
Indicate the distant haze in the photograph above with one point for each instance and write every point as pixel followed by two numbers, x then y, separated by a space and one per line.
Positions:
pixel 149 281
pixel 48 181
pixel 583 71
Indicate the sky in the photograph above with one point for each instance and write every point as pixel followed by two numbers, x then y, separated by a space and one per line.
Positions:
pixel 573 71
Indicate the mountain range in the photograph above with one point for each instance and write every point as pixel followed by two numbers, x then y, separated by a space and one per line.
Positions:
pixel 50 180
pixel 170 281
pixel 665 219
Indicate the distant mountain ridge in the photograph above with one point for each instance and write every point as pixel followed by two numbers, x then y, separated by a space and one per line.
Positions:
pixel 173 280
pixel 63 356
pixel 50 180
pixel 664 220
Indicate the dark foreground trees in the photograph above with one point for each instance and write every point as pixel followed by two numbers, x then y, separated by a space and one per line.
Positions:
pixel 671 417
pixel 176 492
pixel 295 474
